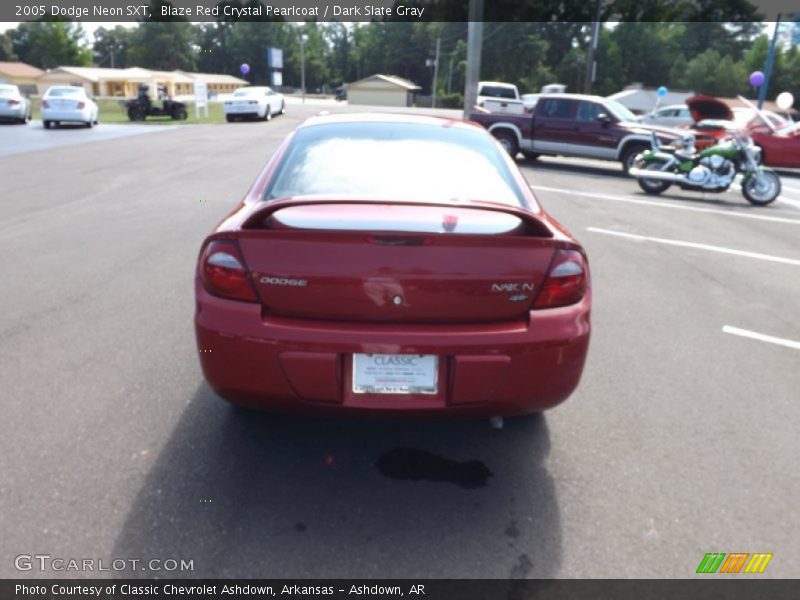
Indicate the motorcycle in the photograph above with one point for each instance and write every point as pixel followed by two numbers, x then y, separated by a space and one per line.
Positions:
pixel 711 170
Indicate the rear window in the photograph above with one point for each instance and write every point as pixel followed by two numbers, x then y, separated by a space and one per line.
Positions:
pixel 495 91
pixel 239 93
pixel 394 161
pixel 65 92
pixel 7 92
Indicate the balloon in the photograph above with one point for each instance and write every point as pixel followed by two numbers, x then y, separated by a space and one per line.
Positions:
pixel 756 78
pixel 662 91
pixel 245 68
pixel 785 100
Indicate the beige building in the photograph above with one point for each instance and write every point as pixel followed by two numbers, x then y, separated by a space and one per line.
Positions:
pixel 125 82
pixel 382 90
pixel 20 74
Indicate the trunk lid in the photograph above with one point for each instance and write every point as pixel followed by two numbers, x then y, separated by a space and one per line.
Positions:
pixel 396 263
pixel 706 107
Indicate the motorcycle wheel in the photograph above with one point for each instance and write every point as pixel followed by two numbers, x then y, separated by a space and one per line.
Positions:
pixel 179 114
pixel 137 114
pixel 762 188
pixel 653 186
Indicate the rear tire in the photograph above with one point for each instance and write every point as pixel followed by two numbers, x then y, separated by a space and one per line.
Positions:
pixel 762 189
pixel 137 114
pixel 229 118
pixel 653 186
pixel 283 108
pixel 47 124
pixel 508 141
pixel 530 155
pixel 268 113
pixel 629 156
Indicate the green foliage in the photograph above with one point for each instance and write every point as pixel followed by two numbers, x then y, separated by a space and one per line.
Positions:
pixel 452 100
pixel 50 44
pixel 163 45
pixel 7 48
pixel 110 48
pixel 712 74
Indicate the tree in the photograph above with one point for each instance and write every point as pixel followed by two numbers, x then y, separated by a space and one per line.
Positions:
pixel 111 46
pixel 714 75
pixel 50 44
pixel 165 46
pixel 7 48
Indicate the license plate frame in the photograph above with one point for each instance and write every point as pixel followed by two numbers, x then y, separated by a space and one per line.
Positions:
pixel 396 374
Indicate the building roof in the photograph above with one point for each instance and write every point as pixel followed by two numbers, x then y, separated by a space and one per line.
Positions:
pixel 398 81
pixel 96 74
pixel 19 69
pixel 213 77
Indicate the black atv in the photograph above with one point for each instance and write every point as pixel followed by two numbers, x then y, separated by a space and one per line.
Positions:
pixel 142 107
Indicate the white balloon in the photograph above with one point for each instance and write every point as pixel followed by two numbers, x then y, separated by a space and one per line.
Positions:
pixel 785 100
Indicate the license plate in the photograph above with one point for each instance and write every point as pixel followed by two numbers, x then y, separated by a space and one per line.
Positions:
pixel 395 373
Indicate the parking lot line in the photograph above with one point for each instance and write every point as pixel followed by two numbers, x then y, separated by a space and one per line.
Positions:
pixel 754 335
pixel 697 246
pixel 663 204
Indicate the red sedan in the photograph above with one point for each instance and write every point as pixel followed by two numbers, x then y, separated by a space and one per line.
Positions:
pixel 781 148
pixel 386 263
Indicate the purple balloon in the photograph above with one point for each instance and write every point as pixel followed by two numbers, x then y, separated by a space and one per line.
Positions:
pixel 756 78
pixel 245 68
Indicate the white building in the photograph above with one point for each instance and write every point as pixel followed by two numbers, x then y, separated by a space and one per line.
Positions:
pixel 382 90
pixel 643 100
pixel 125 82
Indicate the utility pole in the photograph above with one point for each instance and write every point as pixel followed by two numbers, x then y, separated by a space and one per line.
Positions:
pixel 303 40
pixel 112 58
pixel 591 66
pixel 762 92
pixel 435 71
pixel 450 74
pixel 474 40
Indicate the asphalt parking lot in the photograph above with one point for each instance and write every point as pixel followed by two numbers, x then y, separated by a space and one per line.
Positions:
pixel 678 442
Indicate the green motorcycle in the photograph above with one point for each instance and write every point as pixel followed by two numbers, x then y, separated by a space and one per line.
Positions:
pixel 711 170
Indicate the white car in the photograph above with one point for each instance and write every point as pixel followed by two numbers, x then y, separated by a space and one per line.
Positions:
pixel 254 102
pixel 13 105
pixel 68 104
pixel 677 115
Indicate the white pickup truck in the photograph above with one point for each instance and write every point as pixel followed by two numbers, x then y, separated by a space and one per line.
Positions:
pixel 497 97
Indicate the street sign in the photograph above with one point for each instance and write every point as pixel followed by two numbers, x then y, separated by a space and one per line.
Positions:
pixel 200 98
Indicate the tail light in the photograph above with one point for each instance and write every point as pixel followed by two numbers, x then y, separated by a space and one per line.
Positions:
pixel 45 104
pixel 80 105
pixel 13 102
pixel 567 281
pixel 223 273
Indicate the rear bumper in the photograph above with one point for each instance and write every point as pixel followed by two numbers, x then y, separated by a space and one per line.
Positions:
pixel 283 364
pixel 65 115
pixel 16 112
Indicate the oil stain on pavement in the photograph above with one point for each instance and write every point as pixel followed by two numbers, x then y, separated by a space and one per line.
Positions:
pixel 421 465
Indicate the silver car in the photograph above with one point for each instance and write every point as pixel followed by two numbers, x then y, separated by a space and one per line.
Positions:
pixel 677 115
pixel 13 105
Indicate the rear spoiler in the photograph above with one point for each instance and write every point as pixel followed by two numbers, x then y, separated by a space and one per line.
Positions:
pixel 261 214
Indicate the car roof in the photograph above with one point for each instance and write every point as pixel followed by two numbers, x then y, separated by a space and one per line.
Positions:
pixel 566 96
pixel 497 84
pixel 433 121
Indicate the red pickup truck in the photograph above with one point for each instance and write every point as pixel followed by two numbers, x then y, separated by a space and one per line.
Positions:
pixel 575 125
